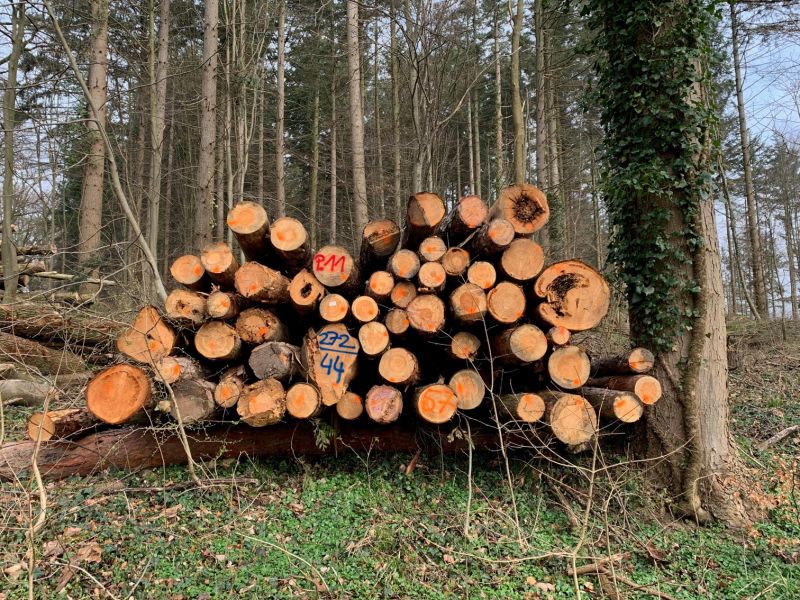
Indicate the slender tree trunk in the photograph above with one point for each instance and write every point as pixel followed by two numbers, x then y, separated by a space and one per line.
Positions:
pixel 754 235
pixel 208 126
pixel 731 259
pixel 542 145
pixel 470 146
pixel 280 184
pixel 378 142
pixel 313 191
pixel 361 210
pixel 166 259
pixel 10 277
pixel 91 217
pixel 158 121
pixel 726 197
pixel 477 134
pixel 334 175
pixel 219 178
pixel 260 153
pixel 398 202
pixel 459 189
pixel 498 111
pixel 557 229
pixel 516 98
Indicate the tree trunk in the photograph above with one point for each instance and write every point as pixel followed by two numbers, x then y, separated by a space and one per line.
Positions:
pixel 398 202
pixel 280 183
pixel 91 216
pixel 361 210
pixel 516 98
pixel 754 234
pixel 158 121
pixel 477 135
pixel 687 430
pixel 208 127
pixel 498 111
pixel 313 191
pixel 334 222
pixel 38 357
pixel 9 119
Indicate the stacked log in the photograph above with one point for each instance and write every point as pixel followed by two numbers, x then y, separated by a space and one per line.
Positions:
pixel 455 313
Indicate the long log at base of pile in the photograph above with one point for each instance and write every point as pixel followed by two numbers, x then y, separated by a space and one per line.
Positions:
pixel 60 424
pixel 136 449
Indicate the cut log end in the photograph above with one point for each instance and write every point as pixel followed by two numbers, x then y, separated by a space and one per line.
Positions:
pixel 289 239
pixel 482 274
pixel 379 285
pixel 305 292
pixel 334 267
pixel 262 403
pixel 436 403
pixel 217 340
pixel 334 308
pixel 569 367
pixel 468 303
pixel 523 260
pixel 526 407
pixel 455 262
pixel 641 360
pixel 223 305
pixel 250 225
pixel 350 407
pixel 256 282
pixel 574 295
pixel 426 313
pixel 331 355
pixel 493 237
pixel 185 306
pixel 403 293
pixel 558 335
pixel 524 206
pixel 464 345
pixel 432 249
pixel 646 387
pixel 59 424
pixel 522 344
pixel 424 213
pixel 275 360
pixel 572 418
pixel 506 302
pixel 384 404
pixel 379 240
pixel 404 264
pixel 374 338
pixel 303 401
pixel 228 391
pixel 259 325
pixel 118 393
pixel 397 322
pixel 431 277
pixel 188 270
pixel 469 388
pixel 364 309
pixel 399 366
pixel 613 404
pixel 220 263
pixel 148 339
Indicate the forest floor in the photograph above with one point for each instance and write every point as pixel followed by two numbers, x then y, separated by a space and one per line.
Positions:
pixel 357 526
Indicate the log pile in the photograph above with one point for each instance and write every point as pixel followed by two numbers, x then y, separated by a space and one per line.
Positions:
pixel 456 313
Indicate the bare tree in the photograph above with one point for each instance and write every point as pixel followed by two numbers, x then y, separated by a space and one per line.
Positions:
pixel 516 97
pixel 280 183
pixel 754 235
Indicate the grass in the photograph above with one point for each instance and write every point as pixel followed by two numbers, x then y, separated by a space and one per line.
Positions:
pixel 359 527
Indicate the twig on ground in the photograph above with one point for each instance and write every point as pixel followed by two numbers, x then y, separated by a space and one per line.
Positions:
pixel 784 433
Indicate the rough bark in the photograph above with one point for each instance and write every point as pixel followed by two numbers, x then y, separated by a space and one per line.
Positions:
pixel 208 127
pixel 360 207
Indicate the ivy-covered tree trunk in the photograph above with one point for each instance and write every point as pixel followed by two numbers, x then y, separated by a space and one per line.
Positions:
pixel 658 186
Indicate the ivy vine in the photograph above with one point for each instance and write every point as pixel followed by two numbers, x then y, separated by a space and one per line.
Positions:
pixel 656 131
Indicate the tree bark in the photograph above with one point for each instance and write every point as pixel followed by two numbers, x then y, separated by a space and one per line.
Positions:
pixel 360 207
pixel 280 183
pixel 208 127
pixel 91 215
pixel 516 97
pixel 9 120
pixel 158 121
